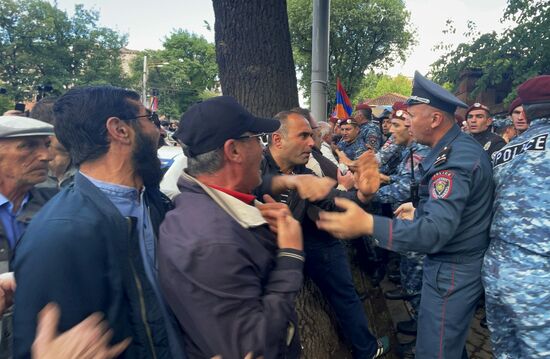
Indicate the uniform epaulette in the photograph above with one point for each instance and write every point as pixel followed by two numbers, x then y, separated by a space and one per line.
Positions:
pixel 442 156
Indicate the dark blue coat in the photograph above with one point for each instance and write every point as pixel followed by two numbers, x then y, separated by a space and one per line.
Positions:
pixel 456 195
pixel 82 254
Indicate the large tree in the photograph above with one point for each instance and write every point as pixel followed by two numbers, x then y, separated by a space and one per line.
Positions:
pixel 254 54
pixel 183 72
pixel 506 59
pixel 40 44
pixel 364 34
pixel 375 85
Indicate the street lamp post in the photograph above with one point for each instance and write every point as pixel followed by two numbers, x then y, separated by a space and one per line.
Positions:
pixel 146 67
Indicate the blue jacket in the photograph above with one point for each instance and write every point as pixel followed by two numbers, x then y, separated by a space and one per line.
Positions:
pixel 82 254
pixel 451 222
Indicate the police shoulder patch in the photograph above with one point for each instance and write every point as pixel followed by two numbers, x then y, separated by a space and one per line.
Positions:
pixel 442 184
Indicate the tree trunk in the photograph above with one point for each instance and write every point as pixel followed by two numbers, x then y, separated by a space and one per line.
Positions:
pixel 254 54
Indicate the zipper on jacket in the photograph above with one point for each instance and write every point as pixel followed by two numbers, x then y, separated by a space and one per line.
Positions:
pixel 141 298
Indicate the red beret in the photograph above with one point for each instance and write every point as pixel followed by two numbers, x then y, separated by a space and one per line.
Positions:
pixel 517 102
pixel 363 106
pixel 399 110
pixel 535 90
pixel 333 119
pixel 477 106
pixel 399 105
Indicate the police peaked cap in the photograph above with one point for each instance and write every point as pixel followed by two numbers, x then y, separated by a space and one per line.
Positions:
pixel 427 92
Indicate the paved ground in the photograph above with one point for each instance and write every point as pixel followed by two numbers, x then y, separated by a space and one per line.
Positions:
pixel 478 344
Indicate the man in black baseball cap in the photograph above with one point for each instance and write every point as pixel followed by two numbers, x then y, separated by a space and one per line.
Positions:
pixel 230 279
pixel 207 125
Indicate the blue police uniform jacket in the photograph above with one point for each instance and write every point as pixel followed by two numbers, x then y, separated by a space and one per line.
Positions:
pixel 353 149
pixel 451 222
pixel 522 192
pixel 371 135
pixel 399 189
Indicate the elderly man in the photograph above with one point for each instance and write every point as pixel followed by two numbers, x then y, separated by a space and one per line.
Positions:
pixel 24 145
pixel 516 269
pixel 92 247
pixel 450 223
pixel 479 122
pixel 288 153
pixel 230 280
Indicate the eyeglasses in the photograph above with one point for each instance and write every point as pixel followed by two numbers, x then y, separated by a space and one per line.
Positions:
pixel 416 100
pixel 152 117
pixel 261 136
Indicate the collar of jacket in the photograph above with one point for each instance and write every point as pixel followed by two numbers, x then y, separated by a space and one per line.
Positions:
pixel 246 215
pixel 274 167
pixel 447 139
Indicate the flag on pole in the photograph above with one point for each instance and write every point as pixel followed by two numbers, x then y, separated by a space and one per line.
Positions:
pixel 343 107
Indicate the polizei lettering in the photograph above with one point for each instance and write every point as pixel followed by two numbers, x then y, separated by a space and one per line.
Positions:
pixel 537 143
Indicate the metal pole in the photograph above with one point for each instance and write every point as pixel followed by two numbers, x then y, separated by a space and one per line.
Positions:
pixel 144 90
pixel 319 58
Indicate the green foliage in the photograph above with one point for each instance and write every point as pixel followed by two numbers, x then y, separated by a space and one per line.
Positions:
pixel 5 104
pixel 507 59
pixel 184 72
pixel 375 85
pixel 364 34
pixel 40 44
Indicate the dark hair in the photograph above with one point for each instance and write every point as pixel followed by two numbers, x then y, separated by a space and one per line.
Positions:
pixel 43 110
pixel 81 115
pixel 367 112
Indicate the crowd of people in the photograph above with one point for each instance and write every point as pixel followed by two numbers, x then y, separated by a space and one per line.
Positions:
pixel 98 262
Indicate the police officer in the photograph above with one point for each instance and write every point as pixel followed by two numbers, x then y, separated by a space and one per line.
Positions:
pixel 352 144
pixel 370 132
pixel 450 223
pixel 516 270
pixel 479 122
pixel 396 192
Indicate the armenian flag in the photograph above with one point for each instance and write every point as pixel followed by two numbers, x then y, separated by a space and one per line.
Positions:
pixel 343 107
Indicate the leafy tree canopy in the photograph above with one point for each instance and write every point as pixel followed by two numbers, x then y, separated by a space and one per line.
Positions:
pixel 364 34
pixel 505 60
pixel 184 71
pixel 375 85
pixel 40 44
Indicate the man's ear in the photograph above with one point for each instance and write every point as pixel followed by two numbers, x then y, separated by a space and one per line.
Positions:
pixel 276 139
pixel 490 121
pixel 232 151
pixel 437 119
pixel 118 130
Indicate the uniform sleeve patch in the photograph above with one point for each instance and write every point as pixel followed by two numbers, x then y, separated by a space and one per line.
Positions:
pixel 442 184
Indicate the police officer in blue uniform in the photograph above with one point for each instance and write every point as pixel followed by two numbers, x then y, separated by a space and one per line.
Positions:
pixel 450 224
pixel 516 270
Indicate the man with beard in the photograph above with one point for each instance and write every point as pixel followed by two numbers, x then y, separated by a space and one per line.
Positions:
pixel 92 247
pixel 479 122
pixel 450 223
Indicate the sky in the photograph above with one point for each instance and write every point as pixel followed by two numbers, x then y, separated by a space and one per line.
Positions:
pixel 148 22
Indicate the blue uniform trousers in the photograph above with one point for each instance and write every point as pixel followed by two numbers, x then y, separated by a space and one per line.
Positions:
pixel 410 268
pixel 327 264
pixel 450 292
pixel 517 298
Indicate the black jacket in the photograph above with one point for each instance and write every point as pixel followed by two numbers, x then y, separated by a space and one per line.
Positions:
pixel 82 254
pixel 490 142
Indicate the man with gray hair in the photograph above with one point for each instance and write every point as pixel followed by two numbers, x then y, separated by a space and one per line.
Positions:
pixel 231 267
pixel 24 145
